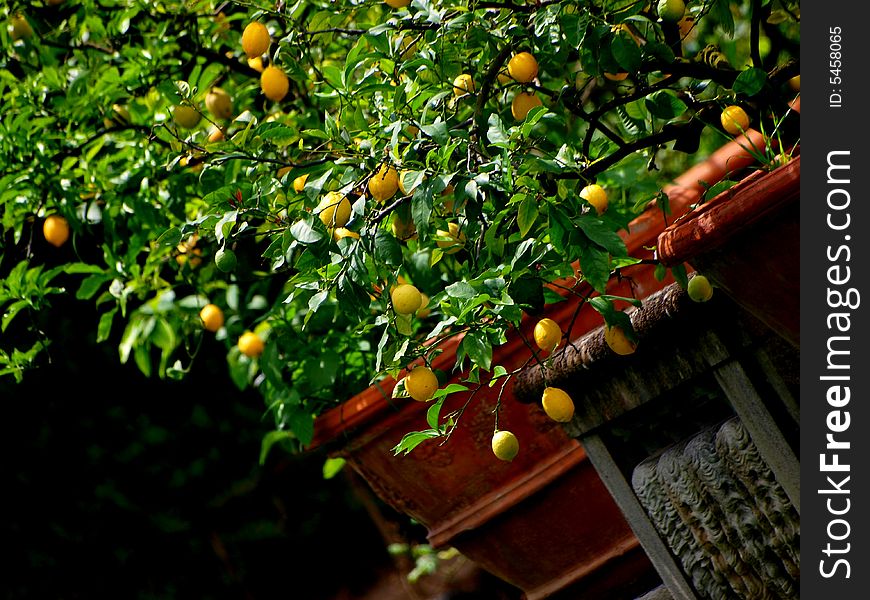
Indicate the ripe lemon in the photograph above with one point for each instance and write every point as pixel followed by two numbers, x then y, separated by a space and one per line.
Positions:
pixel 274 83
pixel 20 27
pixel 522 104
pixel 186 116
pixel 299 183
pixel 595 195
pixel 217 135
pixel 700 289
pixel 283 171
pixel 343 232
pixel 523 67
pixel 505 445
pixel 548 334
pixel 734 120
pixel 616 76
pixel 225 260
pixel 463 84
pixel 421 383
pixel 251 344
pixel 406 299
pixel 212 317
pixel 256 63
pixel 56 230
pixel 255 39
pixel 334 210
pixel 686 24
pixel 557 404
pixel 424 310
pixel 397 3
pixel 671 11
pixel 795 83
pixel 219 103
pixel 618 341
pixel 403 230
pixel 453 240
pixel 504 78
pixel 384 183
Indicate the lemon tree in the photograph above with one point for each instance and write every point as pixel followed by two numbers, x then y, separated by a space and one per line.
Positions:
pixel 247 155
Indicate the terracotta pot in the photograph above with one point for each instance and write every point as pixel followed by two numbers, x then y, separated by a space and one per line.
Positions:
pixel 544 522
pixel 747 242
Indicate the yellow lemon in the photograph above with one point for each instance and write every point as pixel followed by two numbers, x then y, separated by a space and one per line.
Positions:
pixel 618 341
pixel 397 3
pixel 384 183
pixel 700 289
pixel 616 76
pixel 255 39
pixel 453 239
pixel 734 120
pixel 522 104
pixel 334 210
pixel 523 67
pixel 251 344
pixel 463 84
pixel 186 116
pixel 403 230
pixel 219 103
pixel 548 334
pixel 274 83
pixel 212 317
pixel 216 135
pixel 56 230
pixel 557 404
pixel 421 383
pixel 20 27
pixel 283 171
pixel 343 232
pixel 406 299
pixel 595 195
pixel 256 63
pixel 299 183
pixel 505 445
pixel 424 310
pixel 795 83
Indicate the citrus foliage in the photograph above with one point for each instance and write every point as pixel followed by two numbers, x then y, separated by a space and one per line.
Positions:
pixel 370 141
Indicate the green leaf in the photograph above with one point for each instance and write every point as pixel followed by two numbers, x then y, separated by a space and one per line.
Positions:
pixel 597 231
pixel 105 326
pixel 304 230
pixel 720 13
pixel 10 312
pixel 496 133
pixel 387 249
pixel 302 424
pixel 750 82
pixel 269 440
pixel 626 52
pixel 478 349
pixel 527 214
pixel 595 266
pixel 331 467
pixel 434 412
pixel 460 289
pixel 414 439
pixel 664 105
pixel 679 273
pixel 90 286
pixel 170 238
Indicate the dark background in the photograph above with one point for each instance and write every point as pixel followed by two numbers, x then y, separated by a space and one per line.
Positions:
pixel 122 486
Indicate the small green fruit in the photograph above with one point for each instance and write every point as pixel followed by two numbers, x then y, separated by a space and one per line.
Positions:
pixel 671 10
pixel 225 259
pixel 700 289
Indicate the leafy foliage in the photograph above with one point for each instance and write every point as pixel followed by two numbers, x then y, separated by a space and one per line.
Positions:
pixel 90 132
